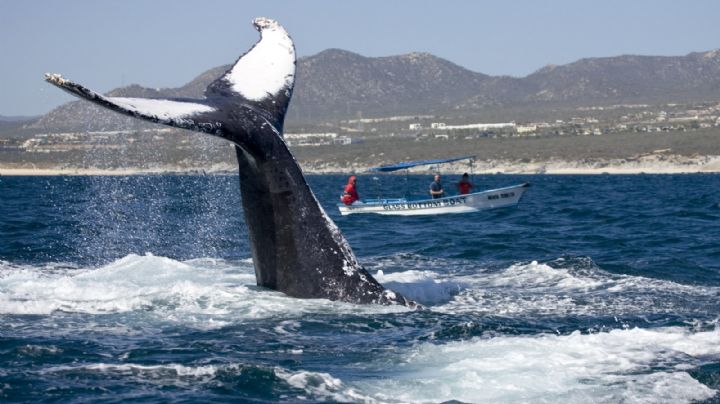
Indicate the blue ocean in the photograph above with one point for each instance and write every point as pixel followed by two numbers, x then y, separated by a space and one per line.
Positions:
pixel 594 289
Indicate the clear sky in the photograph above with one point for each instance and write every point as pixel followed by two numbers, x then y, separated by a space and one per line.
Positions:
pixel 105 44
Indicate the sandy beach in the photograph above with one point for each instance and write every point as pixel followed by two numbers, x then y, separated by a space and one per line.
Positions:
pixel 649 164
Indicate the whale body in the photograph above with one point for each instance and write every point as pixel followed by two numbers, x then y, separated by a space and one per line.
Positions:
pixel 296 248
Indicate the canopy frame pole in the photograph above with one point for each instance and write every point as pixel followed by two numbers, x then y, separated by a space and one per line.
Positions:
pixel 376 183
pixel 407 184
pixel 472 174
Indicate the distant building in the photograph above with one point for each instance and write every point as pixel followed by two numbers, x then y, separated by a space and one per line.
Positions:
pixel 316 139
pixel 683 119
pixel 526 128
pixel 295 136
pixel 342 140
pixel 389 119
pixel 478 126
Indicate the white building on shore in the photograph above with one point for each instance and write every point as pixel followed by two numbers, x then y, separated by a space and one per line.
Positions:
pixel 477 126
pixel 316 139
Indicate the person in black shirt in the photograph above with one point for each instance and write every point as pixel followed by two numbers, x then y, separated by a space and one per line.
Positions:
pixel 436 188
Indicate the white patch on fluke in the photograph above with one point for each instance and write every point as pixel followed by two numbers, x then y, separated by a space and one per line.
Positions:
pixel 162 109
pixel 268 67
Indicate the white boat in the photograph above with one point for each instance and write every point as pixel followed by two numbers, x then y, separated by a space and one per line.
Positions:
pixel 489 199
pixel 494 198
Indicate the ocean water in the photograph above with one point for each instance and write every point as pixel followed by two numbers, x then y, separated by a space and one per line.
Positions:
pixel 594 289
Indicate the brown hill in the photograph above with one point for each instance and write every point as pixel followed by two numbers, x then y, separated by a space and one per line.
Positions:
pixel 337 84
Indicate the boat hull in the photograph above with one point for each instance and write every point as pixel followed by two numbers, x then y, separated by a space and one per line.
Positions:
pixel 490 199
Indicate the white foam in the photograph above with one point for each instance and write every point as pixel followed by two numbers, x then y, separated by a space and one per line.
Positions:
pixel 425 287
pixel 536 288
pixel 127 284
pixel 631 365
pixel 168 374
pixel 314 385
pixel 206 293
pixel 322 386
pixel 635 365
pixel 213 293
pixel 535 275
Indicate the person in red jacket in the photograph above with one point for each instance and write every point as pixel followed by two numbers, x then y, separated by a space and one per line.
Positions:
pixel 350 194
pixel 465 186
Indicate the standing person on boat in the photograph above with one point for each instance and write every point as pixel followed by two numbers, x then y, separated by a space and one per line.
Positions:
pixel 350 194
pixel 465 186
pixel 436 188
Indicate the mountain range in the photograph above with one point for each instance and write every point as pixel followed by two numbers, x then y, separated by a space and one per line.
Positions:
pixel 337 84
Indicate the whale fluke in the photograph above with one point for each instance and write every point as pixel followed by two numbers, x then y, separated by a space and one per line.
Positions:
pixel 297 249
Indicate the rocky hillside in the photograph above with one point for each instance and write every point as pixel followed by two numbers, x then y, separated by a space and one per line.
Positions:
pixel 629 77
pixel 341 83
pixel 336 84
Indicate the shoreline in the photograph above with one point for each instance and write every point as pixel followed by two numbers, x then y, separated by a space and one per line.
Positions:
pixel 651 164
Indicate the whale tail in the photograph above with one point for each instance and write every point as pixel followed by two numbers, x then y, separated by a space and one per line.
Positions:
pixel 261 80
pixel 296 247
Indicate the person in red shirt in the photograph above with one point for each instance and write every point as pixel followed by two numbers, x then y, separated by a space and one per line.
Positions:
pixel 350 194
pixel 465 186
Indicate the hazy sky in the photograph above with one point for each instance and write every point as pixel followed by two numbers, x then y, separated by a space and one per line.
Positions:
pixel 165 43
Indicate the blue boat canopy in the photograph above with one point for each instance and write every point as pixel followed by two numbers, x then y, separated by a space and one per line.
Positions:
pixel 410 164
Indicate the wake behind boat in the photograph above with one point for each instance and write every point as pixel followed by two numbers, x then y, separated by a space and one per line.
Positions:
pixel 464 203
